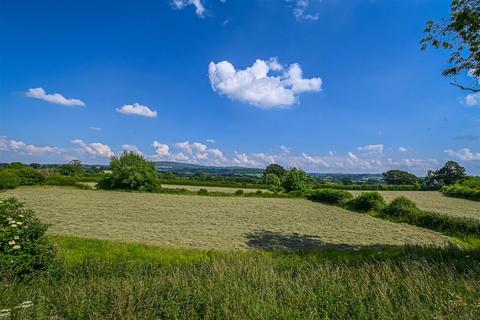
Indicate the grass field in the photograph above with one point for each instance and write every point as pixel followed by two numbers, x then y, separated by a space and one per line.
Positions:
pixel 436 202
pixel 224 223
pixel 211 189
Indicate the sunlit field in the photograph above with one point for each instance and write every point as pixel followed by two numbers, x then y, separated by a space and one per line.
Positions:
pixel 225 223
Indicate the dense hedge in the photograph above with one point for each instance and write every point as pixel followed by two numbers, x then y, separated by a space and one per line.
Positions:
pixel 403 210
pixel 381 187
pixel 461 191
pixel 367 201
pixel 331 196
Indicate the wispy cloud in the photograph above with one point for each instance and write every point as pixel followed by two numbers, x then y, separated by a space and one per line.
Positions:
pixel 55 98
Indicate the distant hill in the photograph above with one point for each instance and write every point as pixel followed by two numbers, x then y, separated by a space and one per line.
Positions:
pixel 188 168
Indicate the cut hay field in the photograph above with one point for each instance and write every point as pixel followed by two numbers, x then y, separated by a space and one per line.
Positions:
pixel 210 189
pixel 436 202
pixel 224 223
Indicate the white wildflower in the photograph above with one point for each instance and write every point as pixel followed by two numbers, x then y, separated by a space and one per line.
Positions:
pixel 19 223
pixel 16 237
pixel 5 313
pixel 14 225
pixel 25 304
pixel 16 247
pixel 11 242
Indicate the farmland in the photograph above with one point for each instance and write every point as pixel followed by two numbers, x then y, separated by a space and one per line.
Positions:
pixel 223 223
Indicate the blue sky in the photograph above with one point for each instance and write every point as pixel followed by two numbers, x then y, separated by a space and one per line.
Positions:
pixel 328 86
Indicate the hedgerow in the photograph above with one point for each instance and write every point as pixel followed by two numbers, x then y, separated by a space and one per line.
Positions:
pixel 331 196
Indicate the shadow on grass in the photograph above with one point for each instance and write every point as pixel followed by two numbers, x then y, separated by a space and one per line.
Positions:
pixel 309 245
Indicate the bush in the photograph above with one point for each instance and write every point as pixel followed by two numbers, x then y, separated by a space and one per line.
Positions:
pixel 24 249
pixel 401 207
pixel 130 171
pixel 203 192
pixel 296 180
pixel 462 191
pixel 9 179
pixel 331 196
pixel 368 201
pixel 239 192
pixel 57 179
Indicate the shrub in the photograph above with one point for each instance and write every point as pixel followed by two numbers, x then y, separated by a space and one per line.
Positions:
pixel 330 196
pixel 462 191
pixel 203 192
pixel 401 207
pixel 296 180
pixel 239 192
pixel 259 192
pixel 8 179
pixel 130 171
pixel 23 247
pixel 368 201
pixel 57 179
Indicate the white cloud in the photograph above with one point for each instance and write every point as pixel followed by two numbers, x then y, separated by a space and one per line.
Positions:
pixel 95 149
pixel 199 7
pixel 138 109
pixel 56 98
pixel 285 149
pixel 314 160
pixel 472 99
pixel 25 148
pixel 255 86
pixel 161 150
pixel 464 154
pixel 132 148
pixel 402 149
pixel 211 141
pixel 371 149
pixel 195 147
pixel 243 160
pixel 300 9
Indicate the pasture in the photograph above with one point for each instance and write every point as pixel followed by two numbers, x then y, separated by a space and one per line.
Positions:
pixel 436 202
pixel 223 223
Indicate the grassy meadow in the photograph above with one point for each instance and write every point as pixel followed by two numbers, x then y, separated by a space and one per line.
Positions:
pixel 223 223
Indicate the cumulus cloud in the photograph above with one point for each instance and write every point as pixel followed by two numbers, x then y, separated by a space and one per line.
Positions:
pixel 256 86
pixel 371 149
pixel 300 10
pixel 464 154
pixel 211 141
pixel 137 109
pixel 95 149
pixel 26 148
pixel 131 148
pixel 161 149
pixel 195 147
pixel 55 98
pixel 199 7
pixel 472 99
pixel 402 149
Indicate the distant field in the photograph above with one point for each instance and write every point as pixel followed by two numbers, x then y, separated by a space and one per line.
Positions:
pixel 212 222
pixel 436 202
pixel 211 189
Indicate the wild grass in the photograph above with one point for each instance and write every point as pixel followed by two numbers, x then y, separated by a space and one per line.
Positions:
pixel 105 280
pixel 224 223
pixel 434 201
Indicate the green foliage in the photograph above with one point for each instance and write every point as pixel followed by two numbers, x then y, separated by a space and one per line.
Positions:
pixel 239 192
pixel 275 169
pixel 9 179
pixel 331 196
pixel 16 165
pixel 296 180
pixel 368 201
pixel 399 177
pixel 203 192
pixel 460 33
pixel 74 168
pixel 449 174
pixel 57 179
pixel 130 171
pixel 462 191
pixel 23 247
pixel 401 207
pixel 271 179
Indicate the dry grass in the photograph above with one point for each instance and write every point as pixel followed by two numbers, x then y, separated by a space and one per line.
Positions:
pixel 211 189
pixel 210 222
pixel 436 202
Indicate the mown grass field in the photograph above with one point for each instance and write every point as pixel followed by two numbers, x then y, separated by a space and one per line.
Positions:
pixel 210 189
pixel 436 202
pixel 224 223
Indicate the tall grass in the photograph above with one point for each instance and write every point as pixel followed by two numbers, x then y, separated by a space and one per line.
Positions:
pixel 101 280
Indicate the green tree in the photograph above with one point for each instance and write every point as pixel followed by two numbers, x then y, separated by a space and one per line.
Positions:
pixel 450 173
pixel 74 168
pixel 131 171
pixel 296 180
pixel 460 33
pixel 399 177
pixel 275 169
pixel 271 179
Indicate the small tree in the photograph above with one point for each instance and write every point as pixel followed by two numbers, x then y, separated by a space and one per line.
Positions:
pixel 275 169
pixel 131 171
pixel 74 168
pixel 271 179
pixel 450 173
pixel 296 179
pixel 399 177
